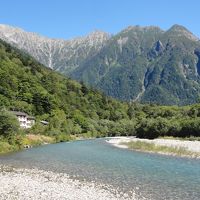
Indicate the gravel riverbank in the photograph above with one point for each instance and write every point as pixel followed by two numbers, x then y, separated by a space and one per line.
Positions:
pixel 192 146
pixel 23 184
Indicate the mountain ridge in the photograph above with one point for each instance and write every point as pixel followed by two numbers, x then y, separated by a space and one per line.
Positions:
pixel 143 64
pixel 44 49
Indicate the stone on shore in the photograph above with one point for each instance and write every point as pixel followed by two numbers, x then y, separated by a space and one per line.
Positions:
pixel 23 184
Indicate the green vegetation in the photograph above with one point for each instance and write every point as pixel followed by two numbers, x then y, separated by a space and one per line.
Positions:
pixel 150 147
pixel 161 121
pixel 10 135
pixel 35 140
pixel 74 110
pixel 164 63
pixel 70 107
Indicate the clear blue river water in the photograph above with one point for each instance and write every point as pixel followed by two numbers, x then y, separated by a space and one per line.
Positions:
pixel 153 176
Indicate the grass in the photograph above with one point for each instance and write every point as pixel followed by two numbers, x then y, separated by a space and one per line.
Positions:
pixel 191 138
pixel 27 140
pixel 5 147
pixel 32 140
pixel 36 140
pixel 150 147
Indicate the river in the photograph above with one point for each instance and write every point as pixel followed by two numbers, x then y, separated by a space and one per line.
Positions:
pixel 151 176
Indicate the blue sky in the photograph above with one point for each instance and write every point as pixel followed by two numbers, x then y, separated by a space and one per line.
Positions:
pixel 68 19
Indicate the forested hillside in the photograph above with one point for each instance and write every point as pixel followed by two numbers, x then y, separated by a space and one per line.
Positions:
pixel 28 86
pixel 73 109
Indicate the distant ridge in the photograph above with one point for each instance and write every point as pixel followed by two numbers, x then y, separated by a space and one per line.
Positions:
pixel 143 64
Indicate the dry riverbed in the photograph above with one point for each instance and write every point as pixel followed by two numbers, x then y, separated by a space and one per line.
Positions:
pixel 162 146
pixel 23 184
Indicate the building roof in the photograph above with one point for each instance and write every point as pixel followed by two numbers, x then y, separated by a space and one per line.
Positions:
pixel 30 117
pixel 18 113
pixel 44 122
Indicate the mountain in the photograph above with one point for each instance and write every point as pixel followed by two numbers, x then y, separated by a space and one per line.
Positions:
pixel 147 64
pixel 68 106
pixel 143 64
pixel 57 54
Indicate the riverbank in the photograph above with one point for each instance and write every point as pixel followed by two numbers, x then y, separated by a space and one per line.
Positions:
pixel 23 184
pixel 32 140
pixel 26 141
pixel 172 147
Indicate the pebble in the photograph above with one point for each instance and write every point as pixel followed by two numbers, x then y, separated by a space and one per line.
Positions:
pixel 34 184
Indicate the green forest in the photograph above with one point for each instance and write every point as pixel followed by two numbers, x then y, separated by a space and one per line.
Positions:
pixel 74 110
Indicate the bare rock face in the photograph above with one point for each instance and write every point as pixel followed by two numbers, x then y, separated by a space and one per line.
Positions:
pixel 61 55
pixel 197 52
pixel 159 46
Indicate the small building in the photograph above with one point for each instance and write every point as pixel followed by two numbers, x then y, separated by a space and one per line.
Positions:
pixel 25 120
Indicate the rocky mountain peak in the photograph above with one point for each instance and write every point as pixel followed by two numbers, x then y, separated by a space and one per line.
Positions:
pixel 97 37
pixel 143 28
pixel 9 28
pixel 55 53
pixel 98 34
pixel 179 30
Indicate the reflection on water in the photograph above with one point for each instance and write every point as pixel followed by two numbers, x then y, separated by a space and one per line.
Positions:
pixel 153 176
